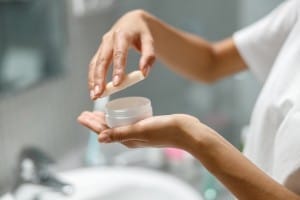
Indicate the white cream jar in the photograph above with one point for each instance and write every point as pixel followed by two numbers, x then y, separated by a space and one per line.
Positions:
pixel 126 111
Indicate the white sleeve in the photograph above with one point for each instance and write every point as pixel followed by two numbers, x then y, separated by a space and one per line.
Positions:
pixel 287 152
pixel 260 43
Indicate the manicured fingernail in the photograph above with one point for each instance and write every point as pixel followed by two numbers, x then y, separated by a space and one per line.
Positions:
pixel 116 80
pixel 97 89
pixel 92 94
pixel 104 138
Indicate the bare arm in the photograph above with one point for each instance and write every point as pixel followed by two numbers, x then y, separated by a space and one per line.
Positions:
pixel 238 174
pixel 182 52
pixel 191 55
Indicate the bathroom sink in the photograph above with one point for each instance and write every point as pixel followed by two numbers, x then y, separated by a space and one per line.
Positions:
pixel 119 183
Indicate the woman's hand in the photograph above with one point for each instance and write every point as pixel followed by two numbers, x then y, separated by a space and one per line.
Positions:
pixel 160 131
pixel 131 30
pixel 238 174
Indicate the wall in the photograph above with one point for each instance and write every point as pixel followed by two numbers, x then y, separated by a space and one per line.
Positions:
pixel 251 10
pixel 45 116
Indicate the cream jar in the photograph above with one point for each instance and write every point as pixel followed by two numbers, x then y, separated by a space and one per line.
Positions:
pixel 127 110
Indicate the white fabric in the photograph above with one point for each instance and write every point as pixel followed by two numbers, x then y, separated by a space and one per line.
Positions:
pixel 271 48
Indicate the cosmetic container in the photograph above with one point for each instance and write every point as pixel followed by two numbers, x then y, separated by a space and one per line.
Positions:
pixel 126 111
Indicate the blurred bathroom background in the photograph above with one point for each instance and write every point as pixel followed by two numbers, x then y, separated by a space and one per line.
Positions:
pixel 45 48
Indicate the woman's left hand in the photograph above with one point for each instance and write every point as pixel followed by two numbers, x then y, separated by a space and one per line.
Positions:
pixel 159 131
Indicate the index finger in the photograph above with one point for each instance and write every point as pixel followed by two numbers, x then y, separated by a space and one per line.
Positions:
pixel 102 64
pixel 92 66
pixel 122 43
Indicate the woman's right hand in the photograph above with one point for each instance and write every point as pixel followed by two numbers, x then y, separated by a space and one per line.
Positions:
pixel 131 30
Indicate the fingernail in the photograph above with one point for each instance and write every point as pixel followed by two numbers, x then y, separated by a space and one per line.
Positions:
pixel 104 138
pixel 92 94
pixel 97 89
pixel 116 80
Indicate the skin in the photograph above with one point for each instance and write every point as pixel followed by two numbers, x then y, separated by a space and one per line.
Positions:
pixel 196 59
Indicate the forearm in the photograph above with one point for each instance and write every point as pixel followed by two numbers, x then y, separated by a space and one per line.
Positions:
pixel 185 53
pixel 193 56
pixel 237 173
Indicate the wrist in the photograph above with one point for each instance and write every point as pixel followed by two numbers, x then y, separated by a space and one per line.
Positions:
pixel 196 135
pixel 188 126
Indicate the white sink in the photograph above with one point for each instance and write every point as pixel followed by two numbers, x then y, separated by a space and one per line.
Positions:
pixel 120 183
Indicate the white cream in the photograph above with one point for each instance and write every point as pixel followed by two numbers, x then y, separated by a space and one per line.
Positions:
pixel 129 80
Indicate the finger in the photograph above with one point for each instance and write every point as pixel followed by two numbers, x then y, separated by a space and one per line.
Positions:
pixel 134 144
pixel 83 115
pixel 96 116
pixel 122 134
pixel 102 64
pixel 92 67
pixel 99 114
pixel 88 121
pixel 93 125
pixel 99 117
pixel 122 42
pixel 148 55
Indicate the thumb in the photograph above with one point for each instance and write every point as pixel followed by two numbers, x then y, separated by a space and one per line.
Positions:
pixel 120 134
